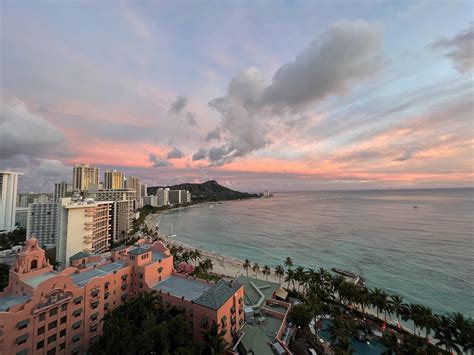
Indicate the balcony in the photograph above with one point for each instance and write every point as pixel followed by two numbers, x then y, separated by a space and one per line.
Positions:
pixel 88 228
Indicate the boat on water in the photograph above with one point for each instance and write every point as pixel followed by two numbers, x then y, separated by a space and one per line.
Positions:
pixel 358 280
pixel 171 235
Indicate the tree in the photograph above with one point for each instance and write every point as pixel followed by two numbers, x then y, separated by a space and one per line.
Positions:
pixel 378 298
pixel 279 271
pixel 445 334
pixel 288 262
pixel 392 343
pixel 290 277
pixel 214 341
pixel 266 271
pixel 4 276
pixel 300 315
pixel 256 269
pixel 397 305
pixel 341 331
pixel 299 276
pixel 246 266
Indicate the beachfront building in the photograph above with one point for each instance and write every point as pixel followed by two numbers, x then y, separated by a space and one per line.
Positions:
pixel 21 217
pixel 151 200
pixel 84 226
pixel 179 196
pixel 113 179
pixel 143 190
pixel 61 189
pixel 123 214
pixel 8 191
pixel 162 194
pixel 43 222
pixel 47 312
pixel 83 176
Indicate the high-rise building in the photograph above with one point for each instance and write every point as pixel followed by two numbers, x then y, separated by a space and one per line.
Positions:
pixel 24 199
pixel 179 196
pixel 8 191
pixel 143 190
pixel 43 221
pixel 84 226
pixel 162 196
pixel 151 200
pixel 61 189
pixel 113 179
pixel 123 211
pixel 21 217
pixel 84 176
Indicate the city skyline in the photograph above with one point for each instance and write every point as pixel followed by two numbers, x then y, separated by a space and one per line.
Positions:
pixel 283 96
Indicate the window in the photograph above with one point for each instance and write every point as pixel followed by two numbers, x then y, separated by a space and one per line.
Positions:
pixel 22 339
pixel 62 346
pixel 76 338
pixel 77 325
pixel 95 304
pixel 52 325
pixel 63 320
pixel 22 324
pixel 64 307
pixel 52 339
pixel 42 317
pixel 94 316
pixel 51 351
pixel 34 264
pixel 62 333
pixel 53 312
pixel 77 300
pixel 41 330
pixel 77 312
pixel 124 286
pixel 40 345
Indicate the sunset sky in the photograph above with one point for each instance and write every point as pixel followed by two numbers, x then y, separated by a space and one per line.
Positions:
pixel 279 95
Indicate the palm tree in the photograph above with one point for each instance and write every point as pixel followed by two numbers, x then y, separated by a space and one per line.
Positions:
pixel 391 342
pixel 290 277
pixel 196 255
pixel 256 269
pixel 378 299
pixel 397 305
pixel 279 271
pixel 299 276
pixel 246 266
pixel 463 330
pixel 266 271
pixel 445 334
pixel 214 340
pixel 426 319
pixel 412 313
pixel 288 262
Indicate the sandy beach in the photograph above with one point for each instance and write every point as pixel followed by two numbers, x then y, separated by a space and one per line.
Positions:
pixel 222 265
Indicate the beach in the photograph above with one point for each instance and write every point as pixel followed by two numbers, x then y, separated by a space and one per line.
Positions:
pixel 225 266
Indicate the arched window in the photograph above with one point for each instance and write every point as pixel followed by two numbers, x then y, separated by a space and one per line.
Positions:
pixel 34 264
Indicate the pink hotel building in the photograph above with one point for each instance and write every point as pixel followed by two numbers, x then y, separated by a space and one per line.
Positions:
pixel 47 312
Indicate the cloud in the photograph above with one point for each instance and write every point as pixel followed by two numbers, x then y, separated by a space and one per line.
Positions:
pixel 175 153
pixel 191 119
pixel 201 154
pixel 460 49
pixel 158 162
pixel 214 134
pixel 25 133
pixel 409 154
pixel 344 54
pixel 179 105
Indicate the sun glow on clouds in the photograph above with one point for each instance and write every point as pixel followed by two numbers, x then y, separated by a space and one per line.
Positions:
pixel 139 103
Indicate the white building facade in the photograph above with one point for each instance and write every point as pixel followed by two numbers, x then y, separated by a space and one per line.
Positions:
pixel 8 192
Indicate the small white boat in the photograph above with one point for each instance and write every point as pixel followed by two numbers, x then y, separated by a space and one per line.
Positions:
pixel 171 235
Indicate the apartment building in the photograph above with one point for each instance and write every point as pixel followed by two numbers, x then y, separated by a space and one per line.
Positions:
pixel 114 179
pixel 21 217
pixel 43 221
pixel 61 189
pixel 84 176
pixel 8 191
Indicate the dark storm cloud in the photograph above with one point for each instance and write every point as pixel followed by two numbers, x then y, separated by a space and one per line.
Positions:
pixel 179 105
pixel 158 162
pixel 175 153
pixel 201 154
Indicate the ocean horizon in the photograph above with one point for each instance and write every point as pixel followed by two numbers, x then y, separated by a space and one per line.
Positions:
pixel 413 242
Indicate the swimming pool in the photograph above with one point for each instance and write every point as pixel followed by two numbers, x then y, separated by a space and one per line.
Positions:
pixel 373 348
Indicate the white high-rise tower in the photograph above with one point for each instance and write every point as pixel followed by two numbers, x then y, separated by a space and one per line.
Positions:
pixel 8 191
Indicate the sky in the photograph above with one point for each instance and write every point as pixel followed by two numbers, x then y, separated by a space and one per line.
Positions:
pixel 278 95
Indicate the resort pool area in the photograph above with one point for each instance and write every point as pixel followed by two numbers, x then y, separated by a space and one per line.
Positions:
pixel 373 348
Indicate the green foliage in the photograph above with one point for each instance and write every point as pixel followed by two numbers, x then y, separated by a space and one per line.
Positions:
pixel 15 237
pixel 142 326
pixel 301 315
pixel 4 275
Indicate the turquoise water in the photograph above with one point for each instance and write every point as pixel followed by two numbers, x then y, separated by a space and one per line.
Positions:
pixel 373 348
pixel 425 253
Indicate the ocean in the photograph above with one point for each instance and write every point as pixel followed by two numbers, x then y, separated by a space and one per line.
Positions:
pixel 424 253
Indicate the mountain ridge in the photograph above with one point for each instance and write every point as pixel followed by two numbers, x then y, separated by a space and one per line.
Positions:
pixel 207 191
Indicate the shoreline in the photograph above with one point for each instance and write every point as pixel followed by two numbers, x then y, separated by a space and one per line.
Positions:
pixel 223 265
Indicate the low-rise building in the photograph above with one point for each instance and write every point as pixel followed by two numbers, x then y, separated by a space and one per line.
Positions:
pixel 44 311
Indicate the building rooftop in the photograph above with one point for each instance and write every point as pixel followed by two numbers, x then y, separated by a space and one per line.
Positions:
pixel 255 340
pixel 36 280
pixel 158 255
pixel 80 255
pixel 218 294
pixel 139 250
pixel 255 288
pixel 188 288
pixel 83 278
pixel 120 247
pixel 7 301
